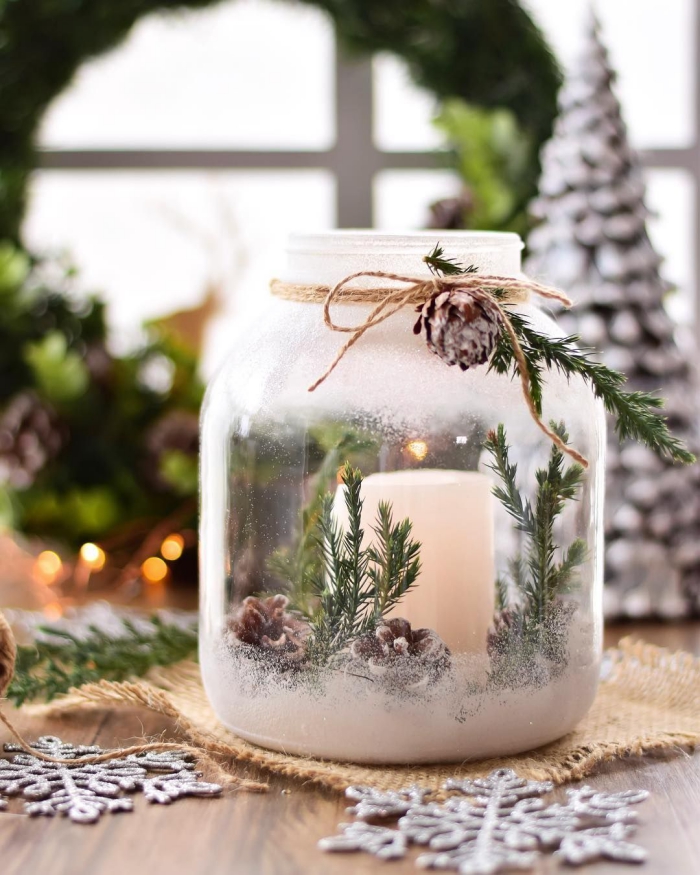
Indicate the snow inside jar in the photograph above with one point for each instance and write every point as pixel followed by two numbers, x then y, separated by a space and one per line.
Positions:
pixel 404 564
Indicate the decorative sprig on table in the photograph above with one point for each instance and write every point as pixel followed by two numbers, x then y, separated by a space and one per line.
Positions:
pixel 541 573
pixel 636 413
pixel 58 661
pixel 355 585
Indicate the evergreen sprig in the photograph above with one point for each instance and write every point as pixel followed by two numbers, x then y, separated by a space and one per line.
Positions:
pixel 439 265
pixel 357 585
pixel 300 563
pixel 636 414
pixel 59 661
pixel 543 572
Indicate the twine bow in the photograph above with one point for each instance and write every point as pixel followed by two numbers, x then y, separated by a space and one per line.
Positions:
pixel 499 290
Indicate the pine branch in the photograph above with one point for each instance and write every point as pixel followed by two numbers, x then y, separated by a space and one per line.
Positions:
pixel 439 265
pixel 502 598
pixel 396 561
pixel 636 413
pixel 539 578
pixel 300 564
pixel 58 661
pixel 508 494
pixel 356 585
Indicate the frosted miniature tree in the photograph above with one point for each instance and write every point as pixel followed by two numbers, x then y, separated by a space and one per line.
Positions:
pixel 592 241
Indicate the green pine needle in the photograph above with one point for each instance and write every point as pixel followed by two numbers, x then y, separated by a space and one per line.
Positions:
pixel 355 586
pixel 439 265
pixel 544 572
pixel 636 414
pixel 59 661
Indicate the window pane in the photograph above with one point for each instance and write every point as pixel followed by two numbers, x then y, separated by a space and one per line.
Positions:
pixel 652 47
pixel 250 74
pixel 153 242
pixel 671 196
pixel 402 111
pixel 402 198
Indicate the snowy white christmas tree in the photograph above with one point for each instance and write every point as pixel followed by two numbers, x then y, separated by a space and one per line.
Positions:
pixel 592 241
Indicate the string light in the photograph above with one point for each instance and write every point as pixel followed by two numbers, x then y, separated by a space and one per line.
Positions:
pixel 172 547
pixel 154 569
pixel 53 611
pixel 47 566
pixel 418 449
pixel 93 556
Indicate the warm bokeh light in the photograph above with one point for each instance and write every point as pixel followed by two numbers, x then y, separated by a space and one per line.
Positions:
pixel 93 556
pixel 48 565
pixel 154 569
pixel 418 449
pixel 53 611
pixel 172 547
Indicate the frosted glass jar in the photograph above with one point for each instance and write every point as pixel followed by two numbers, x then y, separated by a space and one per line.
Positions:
pixel 491 650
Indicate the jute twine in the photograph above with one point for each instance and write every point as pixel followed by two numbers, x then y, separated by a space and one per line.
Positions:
pixel 648 703
pixel 501 291
pixel 201 749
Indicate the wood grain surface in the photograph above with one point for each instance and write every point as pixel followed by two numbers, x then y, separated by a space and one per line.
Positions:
pixel 276 833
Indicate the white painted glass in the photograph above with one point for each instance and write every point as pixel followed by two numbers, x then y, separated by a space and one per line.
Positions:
pixel 486 686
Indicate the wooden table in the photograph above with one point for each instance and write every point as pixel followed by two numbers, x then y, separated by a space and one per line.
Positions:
pixel 276 833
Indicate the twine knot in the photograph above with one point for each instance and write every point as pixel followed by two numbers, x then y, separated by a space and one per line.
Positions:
pixel 500 291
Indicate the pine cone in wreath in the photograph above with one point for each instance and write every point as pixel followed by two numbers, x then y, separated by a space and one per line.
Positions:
pixel 265 624
pixel 31 434
pixel 176 430
pixel 403 657
pixel 461 326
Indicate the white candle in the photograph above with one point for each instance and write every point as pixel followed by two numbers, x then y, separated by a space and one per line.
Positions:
pixel 452 516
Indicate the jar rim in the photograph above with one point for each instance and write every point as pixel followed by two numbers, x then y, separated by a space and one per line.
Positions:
pixel 349 241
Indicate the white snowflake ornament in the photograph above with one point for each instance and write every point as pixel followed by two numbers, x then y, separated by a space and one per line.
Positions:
pixel 83 792
pixel 493 824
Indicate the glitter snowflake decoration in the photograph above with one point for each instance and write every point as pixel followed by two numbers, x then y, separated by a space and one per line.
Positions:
pixel 491 825
pixel 83 792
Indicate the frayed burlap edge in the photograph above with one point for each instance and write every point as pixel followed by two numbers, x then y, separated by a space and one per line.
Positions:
pixel 648 702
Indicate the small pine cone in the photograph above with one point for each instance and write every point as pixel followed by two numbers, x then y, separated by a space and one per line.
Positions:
pixel 461 327
pixel 451 213
pixel 31 434
pixel 266 624
pixel 504 623
pixel 175 430
pixel 405 656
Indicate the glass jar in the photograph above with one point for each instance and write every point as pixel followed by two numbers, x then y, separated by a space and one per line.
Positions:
pixel 320 639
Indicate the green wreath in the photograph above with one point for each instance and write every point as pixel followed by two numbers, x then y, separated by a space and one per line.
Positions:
pixel 487 52
pixel 110 452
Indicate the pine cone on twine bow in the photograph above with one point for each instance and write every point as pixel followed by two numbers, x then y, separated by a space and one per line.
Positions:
pixel 265 624
pixel 461 326
pixel 401 656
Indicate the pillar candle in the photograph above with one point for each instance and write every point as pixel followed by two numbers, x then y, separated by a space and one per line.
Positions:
pixel 452 516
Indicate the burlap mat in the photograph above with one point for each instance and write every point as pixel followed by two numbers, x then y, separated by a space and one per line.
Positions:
pixel 649 701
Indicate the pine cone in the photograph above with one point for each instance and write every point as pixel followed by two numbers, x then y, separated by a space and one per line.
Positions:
pixel 504 623
pixel 405 657
pixel 451 212
pixel 460 327
pixel 267 625
pixel 175 430
pixel 31 434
